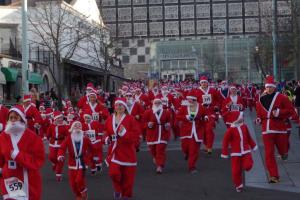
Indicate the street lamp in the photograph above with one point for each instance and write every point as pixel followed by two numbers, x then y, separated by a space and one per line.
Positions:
pixel 274 36
pixel 24 48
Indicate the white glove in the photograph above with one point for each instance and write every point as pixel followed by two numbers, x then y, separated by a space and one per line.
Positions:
pixel 150 124
pixel 61 158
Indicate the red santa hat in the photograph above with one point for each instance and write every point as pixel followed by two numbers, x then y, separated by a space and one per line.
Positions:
pixel 125 88
pixel 42 106
pixel 49 111
pixel 129 94
pixel 232 86
pixel 121 101
pixel 92 92
pixel 269 82
pixel 75 123
pixel 157 99
pixel 164 87
pixel 90 86
pixel 203 79
pixel 192 95
pixel 87 113
pixel 26 98
pixel 20 111
pixel 57 114
pixel 137 89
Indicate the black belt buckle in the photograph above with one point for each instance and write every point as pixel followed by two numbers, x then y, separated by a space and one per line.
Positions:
pixel 12 164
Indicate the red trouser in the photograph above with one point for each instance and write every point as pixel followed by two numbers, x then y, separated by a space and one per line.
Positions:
pixel 238 164
pixel 77 181
pixel 57 166
pixel 270 141
pixel 158 152
pixel 209 135
pixel 191 148
pixel 97 156
pixel 122 178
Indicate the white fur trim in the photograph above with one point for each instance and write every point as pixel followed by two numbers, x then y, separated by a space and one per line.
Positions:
pixel 14 154
pixel 122 102
pixel 224 156
pixel 191 97
pixel 22 115
pixel 58 116
pixel 270 85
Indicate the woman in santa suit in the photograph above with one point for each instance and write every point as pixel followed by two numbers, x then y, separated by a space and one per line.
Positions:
pixel 191 119
pixel 158 127
pixel 79 149
pixel 122 134
pixel 99 112
pixel 22 156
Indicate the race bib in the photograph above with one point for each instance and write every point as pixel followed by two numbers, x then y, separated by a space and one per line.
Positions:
pixel 14 188
pixel 206 99
pixel 91 135
pixel 95 116
pixel 234 107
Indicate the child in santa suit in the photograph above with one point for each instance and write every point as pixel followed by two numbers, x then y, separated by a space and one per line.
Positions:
pixel 192 119
pixel 239 139
pixel 158 127
pixel 56 134
pixel 79 149
pixel 22 156
pixel 94 131
pixel 122 134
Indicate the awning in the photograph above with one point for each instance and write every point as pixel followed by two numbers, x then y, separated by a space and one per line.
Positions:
pixel 10 74
pixel 35 78
pixel 2 79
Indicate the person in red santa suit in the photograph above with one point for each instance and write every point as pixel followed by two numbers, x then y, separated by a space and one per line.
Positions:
pixel 47 121
pixel 238 138
pixel 141 98
pixel 44 125
pixel 33 116
pixel 231 104
pixel 84 100
pixel 136 110
pixel 209 98
pixel 94 131
pixel 191 118
pixel 79 149
pixel 153 93
pixel 177 100
pixel 56 134
pixel 223 91
pixel 121 133
pixel 157 122
pixel 272 110
pixel 22 156
pixel 250 93
pixel 99 112
pixel 3 115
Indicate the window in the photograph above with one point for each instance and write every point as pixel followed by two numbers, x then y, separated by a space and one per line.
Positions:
pixel 141 59
pixel 118 51
pixel 147 50
pixel 141 43
pixel 125 43
pixel 133 51
pixel 125 59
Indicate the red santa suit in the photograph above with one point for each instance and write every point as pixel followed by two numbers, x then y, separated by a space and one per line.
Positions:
pixel 94 131
pixel 56 135
pixel 238 138
pixel 158 126
pixel 79 149
pixel 99 112
pixel 250 93
pixel 33 116
pixel 137 110
pixel 142 99
pixel 272 111
pixel 3 117
pixel 21 158
pixel 191 132
pixel 121 158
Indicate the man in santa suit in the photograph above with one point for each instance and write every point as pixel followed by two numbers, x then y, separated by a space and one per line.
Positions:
pixel 273 109
pixel 250 93
pixel 56 134
pixel 177 100
pixel 158 126
pixel 141 98
pixel 22 156
pixel 3 115
pixel 192 119
pixel 94 131
pixel 99 112
pixel 84 100
pixel 238 138
pixel 136 110
pixel 79 149
pixel 209 98
pixel 122 134
pixel 231 104
pixel 70 116
pixel 153 93
pixel 223 91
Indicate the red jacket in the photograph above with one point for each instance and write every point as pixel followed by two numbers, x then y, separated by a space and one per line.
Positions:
pixel 122 149
pixel 76 160
pixel 57 134
pixel 271 123
pixel 84 100
pixel 94 131
pixel 191 129
pixel 250 92
pixel 158 133
pixel 33 117
pixel 3 117
pixel 28 157
pixel 137 111
pixel 98 110
pixel 240 141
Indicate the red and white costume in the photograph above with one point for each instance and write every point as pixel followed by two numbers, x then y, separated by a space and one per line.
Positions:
pixel 33 116
pixel 250 93
pixel 3 117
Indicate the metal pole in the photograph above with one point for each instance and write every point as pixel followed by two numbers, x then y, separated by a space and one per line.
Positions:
pixel 24 48
pixel 274 36
pixel 226 55
pixel 248 49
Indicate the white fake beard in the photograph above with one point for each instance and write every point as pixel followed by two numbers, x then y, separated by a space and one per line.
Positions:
pixel 15 128
pixel 157 108
pixel 129 102
pixel 77 135
pixel 164 93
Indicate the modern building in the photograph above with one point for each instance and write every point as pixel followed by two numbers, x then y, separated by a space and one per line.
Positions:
pixel 140 27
